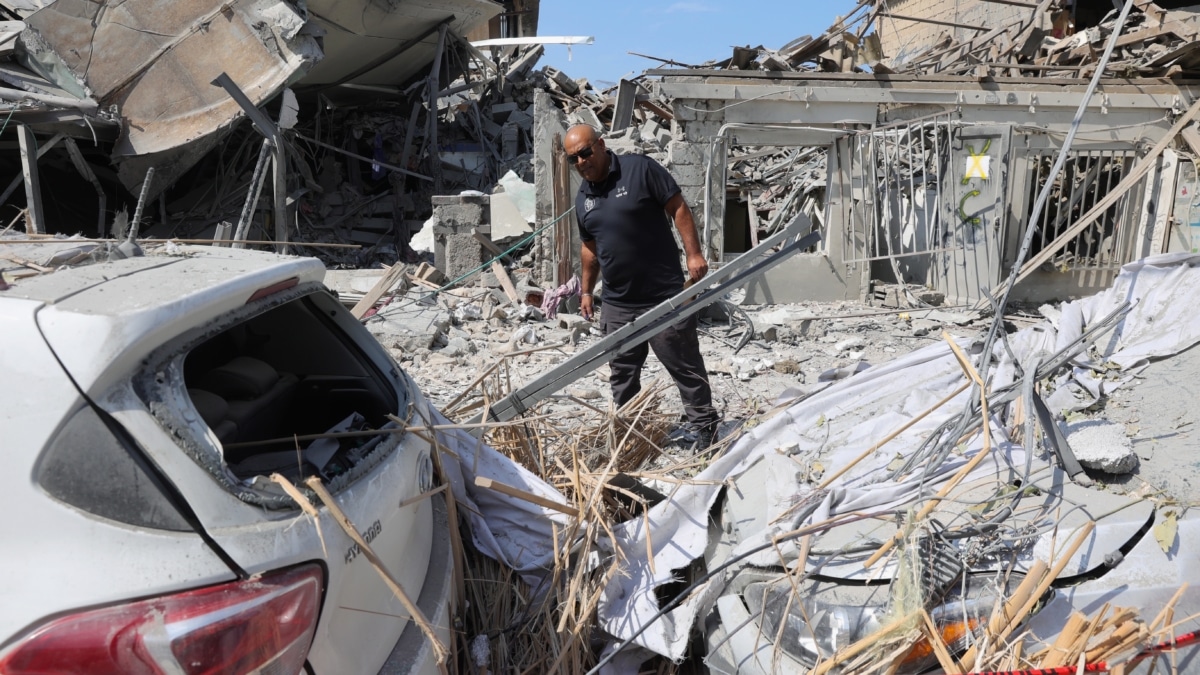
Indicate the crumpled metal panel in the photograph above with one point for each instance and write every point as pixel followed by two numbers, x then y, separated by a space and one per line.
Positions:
pixel 24 7
pixel 153 63
pixel 360 31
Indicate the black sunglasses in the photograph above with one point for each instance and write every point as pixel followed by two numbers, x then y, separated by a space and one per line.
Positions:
pixel 582 154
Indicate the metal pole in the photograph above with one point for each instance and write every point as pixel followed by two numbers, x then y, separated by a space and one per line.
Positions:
pixel 252 195
pixel 688 302
pixel 141 204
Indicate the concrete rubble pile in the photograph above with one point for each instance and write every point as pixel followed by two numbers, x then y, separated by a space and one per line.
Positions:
pixel 443 212
pixel 1154 43
pixel 370 177
pixel 360 159
pixel 1043 42
pixel 1036 44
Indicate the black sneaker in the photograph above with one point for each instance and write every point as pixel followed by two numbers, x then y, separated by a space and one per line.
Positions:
pixel 705 437
pixel 682 436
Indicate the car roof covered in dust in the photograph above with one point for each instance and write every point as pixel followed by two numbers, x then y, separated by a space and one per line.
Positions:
pixel 160 278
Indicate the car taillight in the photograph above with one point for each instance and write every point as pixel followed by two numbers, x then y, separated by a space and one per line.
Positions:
pixel 262 625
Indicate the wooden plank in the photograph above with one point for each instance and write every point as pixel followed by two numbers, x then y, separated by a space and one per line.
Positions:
pixel 1160 228
pixel 385 284
pixel 431 126
pixel 509 289
pixel 488 244
pixel 85 170
pixel 647 104
pixel 1192 137
pixel 34 219
pixel 938 22
pixel 1139 171
pixel 422 282
pixel 279 165
pixel 526 496
pixel 623 111
pixel 563 200
pixel 16 182
pixel 1177 29
pixel 25 262
pixel 752 212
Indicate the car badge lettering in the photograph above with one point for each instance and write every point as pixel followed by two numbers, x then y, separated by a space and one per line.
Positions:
pixel 354 551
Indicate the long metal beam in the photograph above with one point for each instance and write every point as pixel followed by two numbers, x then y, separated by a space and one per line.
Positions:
pixel 869 90
pixel 688 302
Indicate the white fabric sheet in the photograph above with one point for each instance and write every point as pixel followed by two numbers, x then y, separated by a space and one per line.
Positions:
pixel 835 425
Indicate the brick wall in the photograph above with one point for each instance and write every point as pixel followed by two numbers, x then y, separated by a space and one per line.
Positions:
pixel 902 39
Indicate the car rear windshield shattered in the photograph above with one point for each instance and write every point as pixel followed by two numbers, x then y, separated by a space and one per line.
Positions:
pixel 278 390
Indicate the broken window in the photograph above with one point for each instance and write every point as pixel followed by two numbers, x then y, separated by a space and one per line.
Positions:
pixel 1087 178
pixel 274 392
pixel 896 172
pixel 767 187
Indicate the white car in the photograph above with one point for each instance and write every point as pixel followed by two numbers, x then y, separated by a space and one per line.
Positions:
pixel 142 408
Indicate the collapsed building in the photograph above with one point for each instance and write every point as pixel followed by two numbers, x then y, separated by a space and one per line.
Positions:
pixel 916 137
pixel 916 134
pixel 926 180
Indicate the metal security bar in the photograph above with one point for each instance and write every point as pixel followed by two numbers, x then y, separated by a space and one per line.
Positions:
pixel 772 251
pixel 1086 178
pixel 896 173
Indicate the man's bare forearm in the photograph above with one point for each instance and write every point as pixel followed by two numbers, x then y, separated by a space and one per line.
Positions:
pixel 685 224
pixel 590 267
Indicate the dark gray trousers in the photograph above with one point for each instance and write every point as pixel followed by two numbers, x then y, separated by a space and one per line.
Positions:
pixel 678 348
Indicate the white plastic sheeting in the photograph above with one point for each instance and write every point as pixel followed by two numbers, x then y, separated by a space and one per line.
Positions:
pixel 513 531
pixel 836 424
pixel 841 421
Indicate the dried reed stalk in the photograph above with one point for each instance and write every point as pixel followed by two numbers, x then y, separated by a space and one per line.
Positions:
pixel 551 629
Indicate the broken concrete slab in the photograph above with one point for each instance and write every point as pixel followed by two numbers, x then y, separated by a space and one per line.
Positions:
pixel 150 62
pixel 410 322
pixel 1102 446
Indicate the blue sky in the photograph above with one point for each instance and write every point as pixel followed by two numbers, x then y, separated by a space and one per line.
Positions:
pixel 688 31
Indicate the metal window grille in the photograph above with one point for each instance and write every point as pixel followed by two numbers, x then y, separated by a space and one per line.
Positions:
pixel 1086 178
pixel 895 207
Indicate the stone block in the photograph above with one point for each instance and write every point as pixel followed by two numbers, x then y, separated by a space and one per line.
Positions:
pixel 565 83
pixel 698 131
pixel 509 139
pixel 570 321
pixel 501 111
pixel 766 332
pixel 688 175
pixel 450 200
pixel 427 272
pixel 456 219
pixel 686 153
pixel 521 118
pixel 585 115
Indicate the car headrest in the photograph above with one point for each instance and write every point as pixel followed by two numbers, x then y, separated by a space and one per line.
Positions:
pixel 241 379
pixel 212 408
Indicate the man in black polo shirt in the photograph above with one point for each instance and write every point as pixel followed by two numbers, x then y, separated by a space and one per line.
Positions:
pixel 625 207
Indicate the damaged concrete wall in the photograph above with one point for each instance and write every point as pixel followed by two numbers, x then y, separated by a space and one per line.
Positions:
pixel 985 148
pixel 697 158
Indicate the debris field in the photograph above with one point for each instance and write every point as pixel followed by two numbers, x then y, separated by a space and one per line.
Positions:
pixel 959 424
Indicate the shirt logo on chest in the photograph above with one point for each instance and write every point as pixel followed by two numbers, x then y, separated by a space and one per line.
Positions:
pixel 589 204
pixel 621 192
